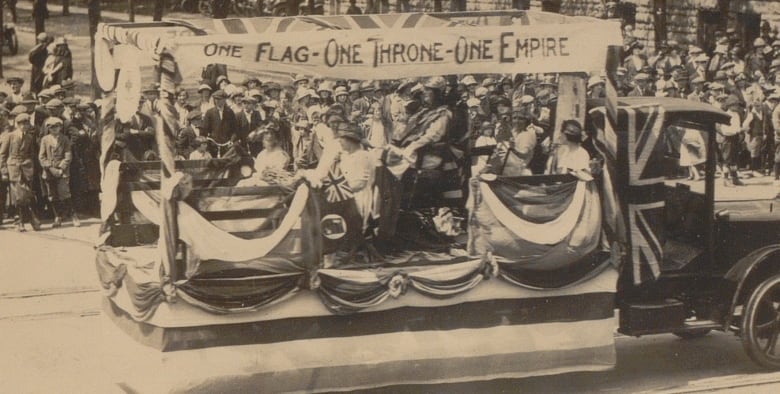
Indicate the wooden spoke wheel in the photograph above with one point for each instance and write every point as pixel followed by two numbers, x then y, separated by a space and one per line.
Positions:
pixel 761 324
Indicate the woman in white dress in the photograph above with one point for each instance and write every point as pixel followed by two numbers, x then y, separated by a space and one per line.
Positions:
pixel 692 152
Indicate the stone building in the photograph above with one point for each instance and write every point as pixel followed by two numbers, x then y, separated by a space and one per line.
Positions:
pixel 684 21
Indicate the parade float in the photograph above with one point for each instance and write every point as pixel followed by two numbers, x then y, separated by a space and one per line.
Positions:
pixel 232 284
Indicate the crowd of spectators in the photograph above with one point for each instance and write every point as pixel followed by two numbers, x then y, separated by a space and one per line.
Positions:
pixel 743 80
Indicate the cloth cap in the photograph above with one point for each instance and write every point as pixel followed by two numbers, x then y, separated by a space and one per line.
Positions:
pixel 488 81
pixel 152 87
pixel 192 115
pixel 641 77
pixel 468 80
pixel 720 76
pixel 45 93
pixel 702 58
pixel 717 86
pixel 437 82
pixel 341 91
pixel 52 120
pixel 219 94
pixel 54 103
pixel 774 96
pixel 366 86
pixel 527 99
pixel 694 50
pixel 15 79
pixel 272 86
pixel 731 101
pixel 3 92
pixel 759 42
pixel 18 109
pixel 22 117
pixel 203 87
pixel 71 100
pixel 42 36
pixel 473 102
pixel 727 65
pixel 481 92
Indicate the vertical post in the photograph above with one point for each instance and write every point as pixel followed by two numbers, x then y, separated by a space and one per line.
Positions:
pixel 65 7
pixel 131 10
pixel 572 92
pixel 93 12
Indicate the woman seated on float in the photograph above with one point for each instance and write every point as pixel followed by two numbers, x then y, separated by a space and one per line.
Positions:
pixel 570 157
pixel 271 163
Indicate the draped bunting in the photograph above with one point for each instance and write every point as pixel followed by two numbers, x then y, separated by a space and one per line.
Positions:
pixel 349 291
pixel 552 254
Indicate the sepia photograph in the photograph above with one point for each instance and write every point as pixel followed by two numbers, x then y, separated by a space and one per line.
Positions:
pixel 389 196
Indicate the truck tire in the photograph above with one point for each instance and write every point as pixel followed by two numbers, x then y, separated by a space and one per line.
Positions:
pixel 760 326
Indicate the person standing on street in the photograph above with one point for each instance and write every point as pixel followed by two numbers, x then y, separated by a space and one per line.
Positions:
pixel 37 58
pixel 55 157
pixel 17 166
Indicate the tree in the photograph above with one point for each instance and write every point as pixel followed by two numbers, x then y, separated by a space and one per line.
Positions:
pixel 159 6
pixel 93 11
pixel 39 14
pixel 131 10
pixel 65 7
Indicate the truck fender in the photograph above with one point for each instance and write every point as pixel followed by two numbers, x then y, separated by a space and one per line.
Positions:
pixel 747 266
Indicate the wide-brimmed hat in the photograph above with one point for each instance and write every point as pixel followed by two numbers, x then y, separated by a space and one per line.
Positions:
pixel 348 131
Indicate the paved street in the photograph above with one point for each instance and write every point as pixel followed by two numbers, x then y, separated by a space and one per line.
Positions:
pixel 55 339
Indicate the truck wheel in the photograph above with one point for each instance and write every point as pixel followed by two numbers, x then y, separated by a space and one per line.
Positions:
pixel 692 334
pixel 761 324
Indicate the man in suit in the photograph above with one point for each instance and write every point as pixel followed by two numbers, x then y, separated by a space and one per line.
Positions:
pixel 220 124
pixel 136 136
pixel 641 86
pixel 249 119
pixel 17 165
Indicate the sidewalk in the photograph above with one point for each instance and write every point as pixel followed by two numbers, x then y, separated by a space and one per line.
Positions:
pixel 55 10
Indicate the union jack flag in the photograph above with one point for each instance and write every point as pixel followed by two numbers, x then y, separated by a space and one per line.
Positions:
pixel 335 186
pixel 634 149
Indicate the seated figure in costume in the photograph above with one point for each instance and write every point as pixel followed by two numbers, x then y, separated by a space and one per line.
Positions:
pixel 430 125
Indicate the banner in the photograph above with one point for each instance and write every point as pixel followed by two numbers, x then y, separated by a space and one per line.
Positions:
pixel 398 53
